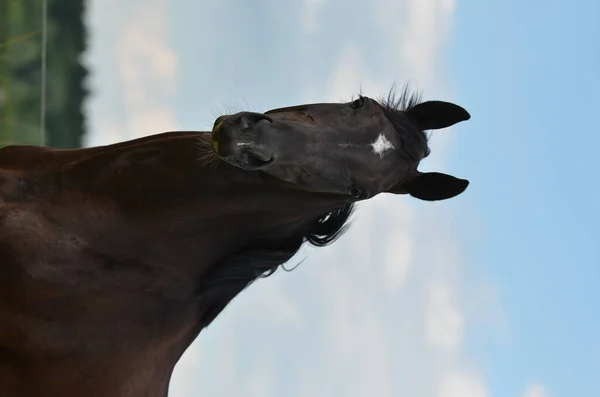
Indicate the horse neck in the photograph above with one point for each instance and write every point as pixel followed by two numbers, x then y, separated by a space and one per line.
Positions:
pixel 142 228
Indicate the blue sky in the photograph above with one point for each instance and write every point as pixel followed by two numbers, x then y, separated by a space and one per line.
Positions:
pixel 492 293
pixel 530 74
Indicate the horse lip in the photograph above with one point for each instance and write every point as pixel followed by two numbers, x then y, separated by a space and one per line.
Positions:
pixel 252 163
pixel 214 145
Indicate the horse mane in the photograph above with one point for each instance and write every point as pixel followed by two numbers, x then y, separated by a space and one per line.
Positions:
pixel 403 101
pixel 395 106
pixel 235 273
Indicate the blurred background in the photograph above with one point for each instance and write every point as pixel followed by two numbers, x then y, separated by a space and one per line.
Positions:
pixel 493 293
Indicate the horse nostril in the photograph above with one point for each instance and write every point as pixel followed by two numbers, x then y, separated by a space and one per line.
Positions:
pixel 248 119
pixel 265 117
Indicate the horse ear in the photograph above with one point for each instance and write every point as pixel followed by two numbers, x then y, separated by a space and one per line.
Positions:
pixel 433 115
pixel 432 186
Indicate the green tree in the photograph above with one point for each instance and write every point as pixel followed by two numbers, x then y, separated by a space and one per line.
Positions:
pixel 21 77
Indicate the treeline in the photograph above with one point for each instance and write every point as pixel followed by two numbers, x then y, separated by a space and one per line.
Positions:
pixel 21 72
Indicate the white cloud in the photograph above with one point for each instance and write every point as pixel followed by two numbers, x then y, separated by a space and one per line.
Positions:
pixel 310 9
pixel 420 41
pixel 347 73
pixel 462 384
pixel 134 70
pixel 444 322
pixel 535 390
pixel 398 258
pixel 447 6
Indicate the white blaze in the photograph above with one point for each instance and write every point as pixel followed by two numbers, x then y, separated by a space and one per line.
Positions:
pixel 381 145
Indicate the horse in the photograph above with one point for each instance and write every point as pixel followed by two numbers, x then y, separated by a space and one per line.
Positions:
pixel 114 258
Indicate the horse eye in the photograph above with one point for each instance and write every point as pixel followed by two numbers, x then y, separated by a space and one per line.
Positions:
pixel 356 192
pixel 357 103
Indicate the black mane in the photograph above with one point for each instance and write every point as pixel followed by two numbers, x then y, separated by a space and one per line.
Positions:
pixel 232 275
pixel 394 105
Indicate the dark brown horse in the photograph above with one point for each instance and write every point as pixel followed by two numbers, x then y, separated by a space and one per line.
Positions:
pixel 114 258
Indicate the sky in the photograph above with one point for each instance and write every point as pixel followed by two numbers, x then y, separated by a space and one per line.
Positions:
pixel 492 293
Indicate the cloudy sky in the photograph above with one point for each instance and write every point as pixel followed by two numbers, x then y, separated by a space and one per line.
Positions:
pixel 492 293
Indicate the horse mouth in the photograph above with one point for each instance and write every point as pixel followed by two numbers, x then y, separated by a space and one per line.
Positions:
pixel 251 162
pixel 244 155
